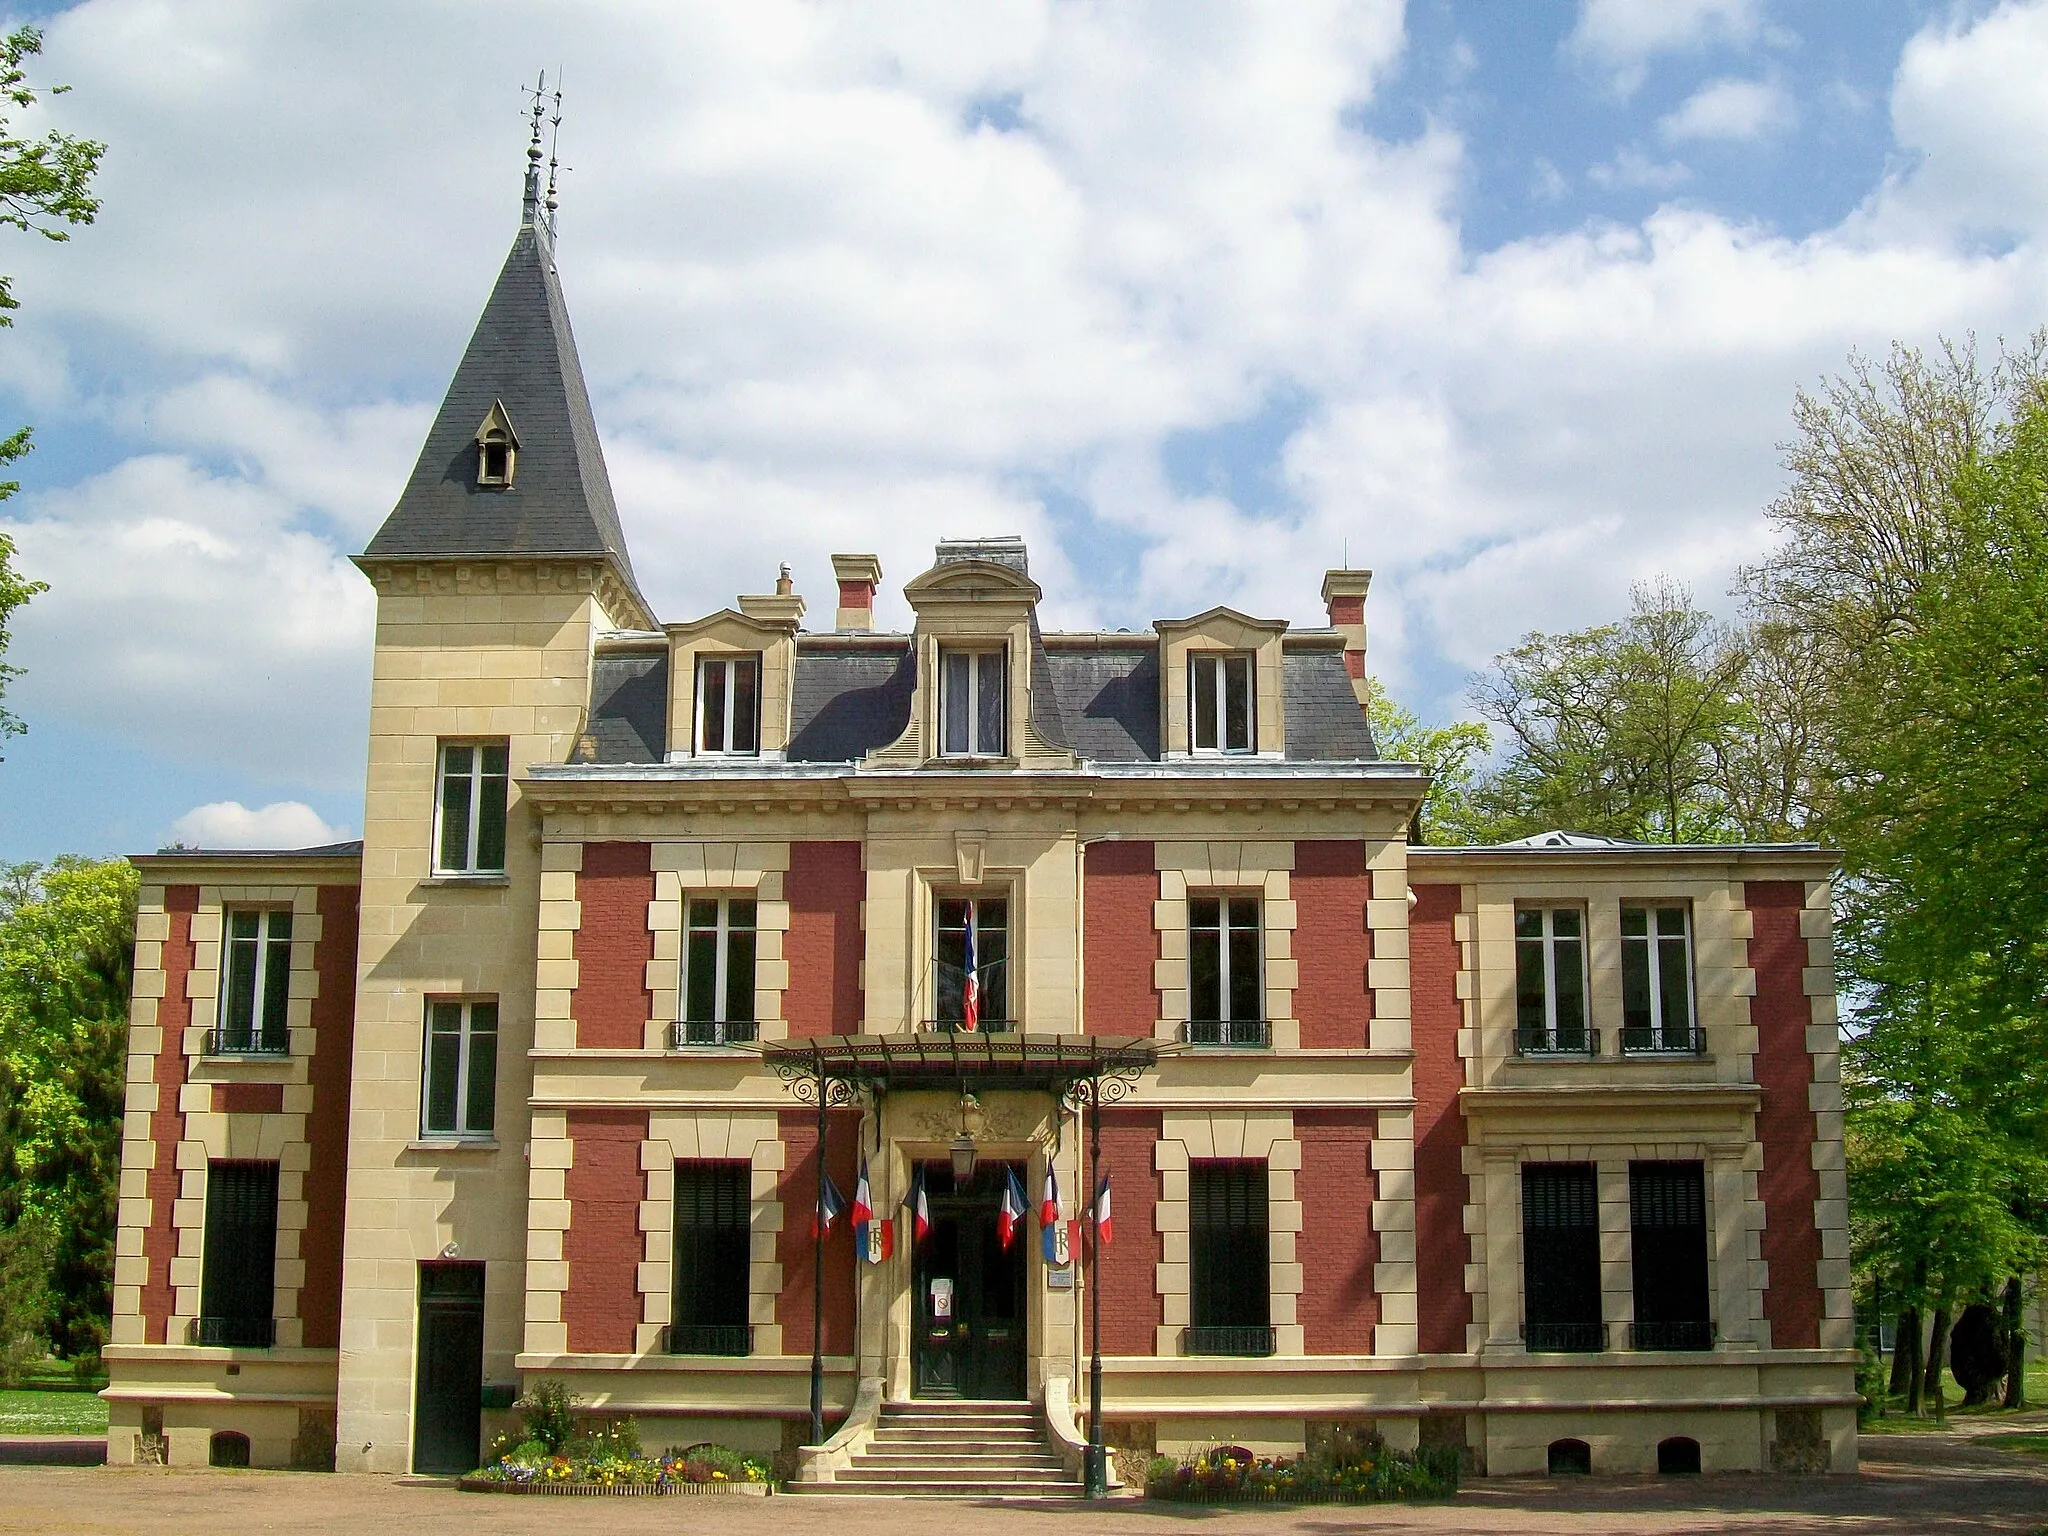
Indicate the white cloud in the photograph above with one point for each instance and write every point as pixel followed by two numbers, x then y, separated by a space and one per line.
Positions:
pixel 1621 36
pixel 1631 168
pixel 1730 109
pixel 1547 184
pixel 231 824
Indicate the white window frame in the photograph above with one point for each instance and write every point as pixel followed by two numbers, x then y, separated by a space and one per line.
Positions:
pixel 722 930
pixel 979 658
pixel 1550 940
pixel 1223 930
pixel 466 1034
pixel 266 941
pixel 477 778
pixel 1220 664
pixel 729 663
pixel 1653 943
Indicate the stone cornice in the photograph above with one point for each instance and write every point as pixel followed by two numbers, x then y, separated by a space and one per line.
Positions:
pixel 483 575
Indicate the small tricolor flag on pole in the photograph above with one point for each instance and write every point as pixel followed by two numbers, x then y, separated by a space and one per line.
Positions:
pixel 970 992
pixel 873 1240
pixel 920 1208
pixel 1011 1212
pixel 1102 1210
pixel 1055 1242
pixel 831 1206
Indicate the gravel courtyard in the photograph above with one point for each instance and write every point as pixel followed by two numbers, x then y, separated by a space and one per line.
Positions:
pixel 1922 1485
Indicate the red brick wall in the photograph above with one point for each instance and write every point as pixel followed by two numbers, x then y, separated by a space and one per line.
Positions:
pixel 1118 943
pixel 1330 886
pixel 248 1098
pixel 1443 1310
pixel 1131 1308
pixel 825 886
pixel 334 1021
pixel 603 1244
pixel 167 1123
pixel 1781 1012
pixel 794 1246
pixel 1336 1246
pixel 611 1003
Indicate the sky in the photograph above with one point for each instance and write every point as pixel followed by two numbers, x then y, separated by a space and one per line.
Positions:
pixel 1508 303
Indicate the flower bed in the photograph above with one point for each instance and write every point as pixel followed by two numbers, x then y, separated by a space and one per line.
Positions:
pixel 688 1473
pixel 1366 1473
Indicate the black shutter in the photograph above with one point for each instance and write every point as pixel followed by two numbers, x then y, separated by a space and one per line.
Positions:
pixel 1229 1284
pixel 238 1276
pixel 1668 1240
pixel 711 1259
pixel 1561 1257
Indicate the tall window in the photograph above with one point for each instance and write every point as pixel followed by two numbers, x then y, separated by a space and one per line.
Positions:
pixel 988 936
pixel 256 977
pixel 1226 995
pixel 1229 1286
pixel 709 1315
pixel 238 1275
pixel 1656 979
pixel 1667 1211
pixel 718 971
pixel 1550 979
pixel 972 702
pixel 462 1068
pixel 729 704
pixel 472 808
pixel 1220 714
pixel 1561 1257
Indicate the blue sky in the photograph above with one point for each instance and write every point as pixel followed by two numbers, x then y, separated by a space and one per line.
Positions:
pixel 1507 302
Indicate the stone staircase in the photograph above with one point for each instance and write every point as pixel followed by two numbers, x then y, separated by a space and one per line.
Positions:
pixel 958 1450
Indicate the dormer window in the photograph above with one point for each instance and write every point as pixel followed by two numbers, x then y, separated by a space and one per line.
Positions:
pixel 973 704
pixel 729 705
pixel 1220 712
pixel 497 449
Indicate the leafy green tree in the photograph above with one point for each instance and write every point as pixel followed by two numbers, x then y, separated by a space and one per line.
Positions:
pixel 1454 755
pixel 45 185
pixel 66 956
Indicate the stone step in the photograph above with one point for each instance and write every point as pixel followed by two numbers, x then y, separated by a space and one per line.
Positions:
pixel 939 1490
pixel 990 1461
pixel 958 1421
pixel 950 1434
pixel 946 1472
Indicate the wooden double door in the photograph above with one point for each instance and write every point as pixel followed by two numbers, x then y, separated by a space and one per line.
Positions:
pixel 970 1333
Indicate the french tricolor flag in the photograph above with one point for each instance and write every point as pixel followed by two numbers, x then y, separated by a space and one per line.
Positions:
pixel 863 1207
pixel 1102 1210
pixel 970 995
pixel 920 1207
pixel 1054 1239
pixel 831 1206
pixel 1010 1214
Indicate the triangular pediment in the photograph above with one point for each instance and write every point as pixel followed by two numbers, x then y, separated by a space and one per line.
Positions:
pixel 497 423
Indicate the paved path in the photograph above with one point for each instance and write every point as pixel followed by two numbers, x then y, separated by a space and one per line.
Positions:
pixel 1919 1486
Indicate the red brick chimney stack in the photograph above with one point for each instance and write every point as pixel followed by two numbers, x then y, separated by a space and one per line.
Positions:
pixel 858 576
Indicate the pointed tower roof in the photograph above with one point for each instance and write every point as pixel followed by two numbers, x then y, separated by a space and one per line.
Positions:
pixel 521 364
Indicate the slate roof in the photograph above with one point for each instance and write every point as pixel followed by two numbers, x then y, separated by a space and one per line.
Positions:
pixel 849 701
pixel 1324 722
pixel 629 706
pixel 1109 697
pixel 523 354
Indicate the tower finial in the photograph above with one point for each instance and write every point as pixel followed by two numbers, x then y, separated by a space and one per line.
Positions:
pixel 530 203
pixel 555 166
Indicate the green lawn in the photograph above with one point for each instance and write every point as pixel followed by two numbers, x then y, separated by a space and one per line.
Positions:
pixel 2033 1445
pixel 1896 1422
pixel 52 1413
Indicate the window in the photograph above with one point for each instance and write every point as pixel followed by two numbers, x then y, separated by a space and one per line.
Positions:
pixel 981 925
pixel 238 1275
pixel 972 700
pixel 494 460
pixel 1667 1217
pixel 462 1068
pixel 1656 980
pixel 1220 716
pixel 718 971
pixel 1226 996
pixel 256 976
pixel 1561 1257
pixel 729 704
pixel 1550 980
pixel 1229 1283
pixel 709 1314
pixel 472 803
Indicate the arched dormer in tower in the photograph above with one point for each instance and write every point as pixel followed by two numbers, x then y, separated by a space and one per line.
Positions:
pixel 497 449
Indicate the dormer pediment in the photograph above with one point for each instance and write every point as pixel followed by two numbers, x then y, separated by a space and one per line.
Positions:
pixel 1221 621
pixel 973 581
pixel 730 624
pixel 497 426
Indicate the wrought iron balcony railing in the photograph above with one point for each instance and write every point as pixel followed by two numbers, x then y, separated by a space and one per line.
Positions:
pixel 1564 1338
pixel 1244 1033
pixel 707 1339
pixel 234 1332
pixel 981 1026
pixel 247 1042
pixel 1559 1042
pixel 1686 1335
pixel 1690 1040
pixel 687 1032
pixel 1243 1342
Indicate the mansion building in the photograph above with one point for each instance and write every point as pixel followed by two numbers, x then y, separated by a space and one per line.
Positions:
pixel 1533 1150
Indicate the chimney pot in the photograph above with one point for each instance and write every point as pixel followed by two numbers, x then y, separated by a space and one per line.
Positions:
pixel 858 577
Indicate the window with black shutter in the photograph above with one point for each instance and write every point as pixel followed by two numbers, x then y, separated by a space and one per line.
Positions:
pixel 238 1275
pixel 1667 1205
pixel 711 1260
pixel 1561 1257
pixel 1228 1282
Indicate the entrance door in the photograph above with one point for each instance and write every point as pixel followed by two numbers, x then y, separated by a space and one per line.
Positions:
pixel 447 1414
pixel 969 1305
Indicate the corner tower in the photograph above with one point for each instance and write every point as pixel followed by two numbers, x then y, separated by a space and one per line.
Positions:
pixel 496 571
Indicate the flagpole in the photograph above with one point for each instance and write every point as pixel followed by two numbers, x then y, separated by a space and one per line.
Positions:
pixel 818 1284
pixel 1098 1479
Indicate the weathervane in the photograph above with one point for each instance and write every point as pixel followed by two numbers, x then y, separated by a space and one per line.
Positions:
pixel 531 200
pixel 555 166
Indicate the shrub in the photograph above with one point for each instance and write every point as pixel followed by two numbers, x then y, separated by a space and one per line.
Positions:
pixel 1979 1352
pixel 548 1410
pixel 610 1440
pixel 1349 1467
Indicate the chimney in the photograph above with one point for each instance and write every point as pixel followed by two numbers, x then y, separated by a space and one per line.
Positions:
pixel 1344 597
pixel 781 607
pixel 858 576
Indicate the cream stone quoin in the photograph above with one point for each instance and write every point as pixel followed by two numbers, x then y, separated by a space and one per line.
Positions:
pixel 1532 1150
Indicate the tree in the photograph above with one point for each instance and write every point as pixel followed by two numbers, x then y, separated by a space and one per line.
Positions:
pixel 1452 753
pixel 45 184
pixel 66 955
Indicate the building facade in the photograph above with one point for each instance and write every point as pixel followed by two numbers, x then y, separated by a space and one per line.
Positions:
pixel 1534 1149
